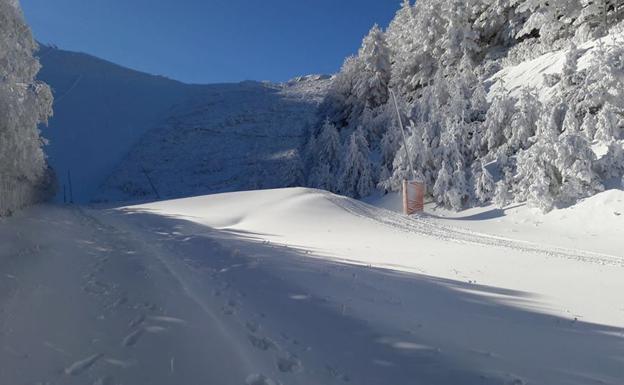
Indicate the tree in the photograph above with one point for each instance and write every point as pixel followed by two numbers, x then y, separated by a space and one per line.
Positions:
pixel 327 151
pixel 524 119
pixel 607 125
pixel 24 104
pixel 611 165
pixel 589 126
pixel 442 184
pixel 371 84
pixel 576 164
pixel 497 120
pixel 484 183
pixel 570 123
pixel 356 179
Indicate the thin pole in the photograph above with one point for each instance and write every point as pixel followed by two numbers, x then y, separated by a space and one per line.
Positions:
pixel 151 183
pixel 71 189
pixel 409 158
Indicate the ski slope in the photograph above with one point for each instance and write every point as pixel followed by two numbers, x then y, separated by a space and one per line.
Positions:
pixel 113 125
pixel 300 286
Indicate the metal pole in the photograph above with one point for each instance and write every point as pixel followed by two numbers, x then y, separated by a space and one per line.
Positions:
pixel 151 183
pixel 71 189
pixel 409 159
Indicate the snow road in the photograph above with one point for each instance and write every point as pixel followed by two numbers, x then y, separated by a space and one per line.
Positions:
pixel 297 286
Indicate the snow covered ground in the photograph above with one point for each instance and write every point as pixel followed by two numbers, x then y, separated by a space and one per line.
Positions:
pixel 236 137
pixel 304 287
pixel 112 125
pixel 531 73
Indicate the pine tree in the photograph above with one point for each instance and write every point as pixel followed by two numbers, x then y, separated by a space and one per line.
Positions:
pixel 484 183
pixel 371 84
pixel 327 153
pixel 606 127
pixel 442 184
pixel 576 164
pixel 24 104
pixel 589 126
pixel 570 123
pixel 524 119
pixel 498 119
pixel 356 179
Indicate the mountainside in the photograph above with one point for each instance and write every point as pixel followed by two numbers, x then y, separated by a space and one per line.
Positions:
pixel 100 111
pixel 506 101
pixel 111 123
pixel 229 137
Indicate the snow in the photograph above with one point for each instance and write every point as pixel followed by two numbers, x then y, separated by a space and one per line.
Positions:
pixel 302 286
pixel 110 123
pixel 531 73
pixel 238 137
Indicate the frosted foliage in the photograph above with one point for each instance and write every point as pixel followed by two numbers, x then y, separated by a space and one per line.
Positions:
pixel 24 103
pixel 442 58
pixel 356 178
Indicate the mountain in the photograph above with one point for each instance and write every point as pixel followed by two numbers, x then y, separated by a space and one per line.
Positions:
pixel 100 111
pixel 108 119
pixel 226 138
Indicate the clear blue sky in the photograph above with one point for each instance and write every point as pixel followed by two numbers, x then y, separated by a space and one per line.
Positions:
pixel 209 41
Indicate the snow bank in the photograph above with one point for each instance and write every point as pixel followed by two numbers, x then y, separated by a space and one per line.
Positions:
pixel 346 230
pixel 432 287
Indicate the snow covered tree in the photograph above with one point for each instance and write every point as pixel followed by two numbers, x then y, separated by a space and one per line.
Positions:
pixel 607 125
pixel 460 38
pixel 356 179
pixel 611 165
pixel 570 123
pixel 24 104
pixel 484 182
pixel 589 126
pixel 497 121
pixel 442 184
pixel 371 84
pixel 327 152
pixel 576 164
pixel 502 195
pixel 537 178
pixel 341 100
pixel 524 119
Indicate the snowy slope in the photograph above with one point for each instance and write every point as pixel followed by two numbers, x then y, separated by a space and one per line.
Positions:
pixel 235 137
pixel 100 111
pixel 302 287
pixel 531 73
pixel 511 307
pixel 103 111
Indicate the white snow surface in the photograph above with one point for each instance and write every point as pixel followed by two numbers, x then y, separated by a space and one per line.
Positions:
pixel 300 286
pixel 531 73
pixel 112 124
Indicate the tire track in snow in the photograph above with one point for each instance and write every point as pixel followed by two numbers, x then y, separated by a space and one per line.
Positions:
pixel 426 226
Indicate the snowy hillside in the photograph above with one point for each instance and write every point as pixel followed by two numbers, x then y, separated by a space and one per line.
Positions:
pixel 226 138
pixel 103 112
pixel 506 101
pixel 534 73
pixel 100 111
pixel 305 287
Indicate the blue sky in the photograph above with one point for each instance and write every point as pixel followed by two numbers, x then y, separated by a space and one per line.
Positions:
pixel 211 41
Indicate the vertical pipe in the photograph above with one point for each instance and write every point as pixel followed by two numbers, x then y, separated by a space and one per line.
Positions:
pixel 409 159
